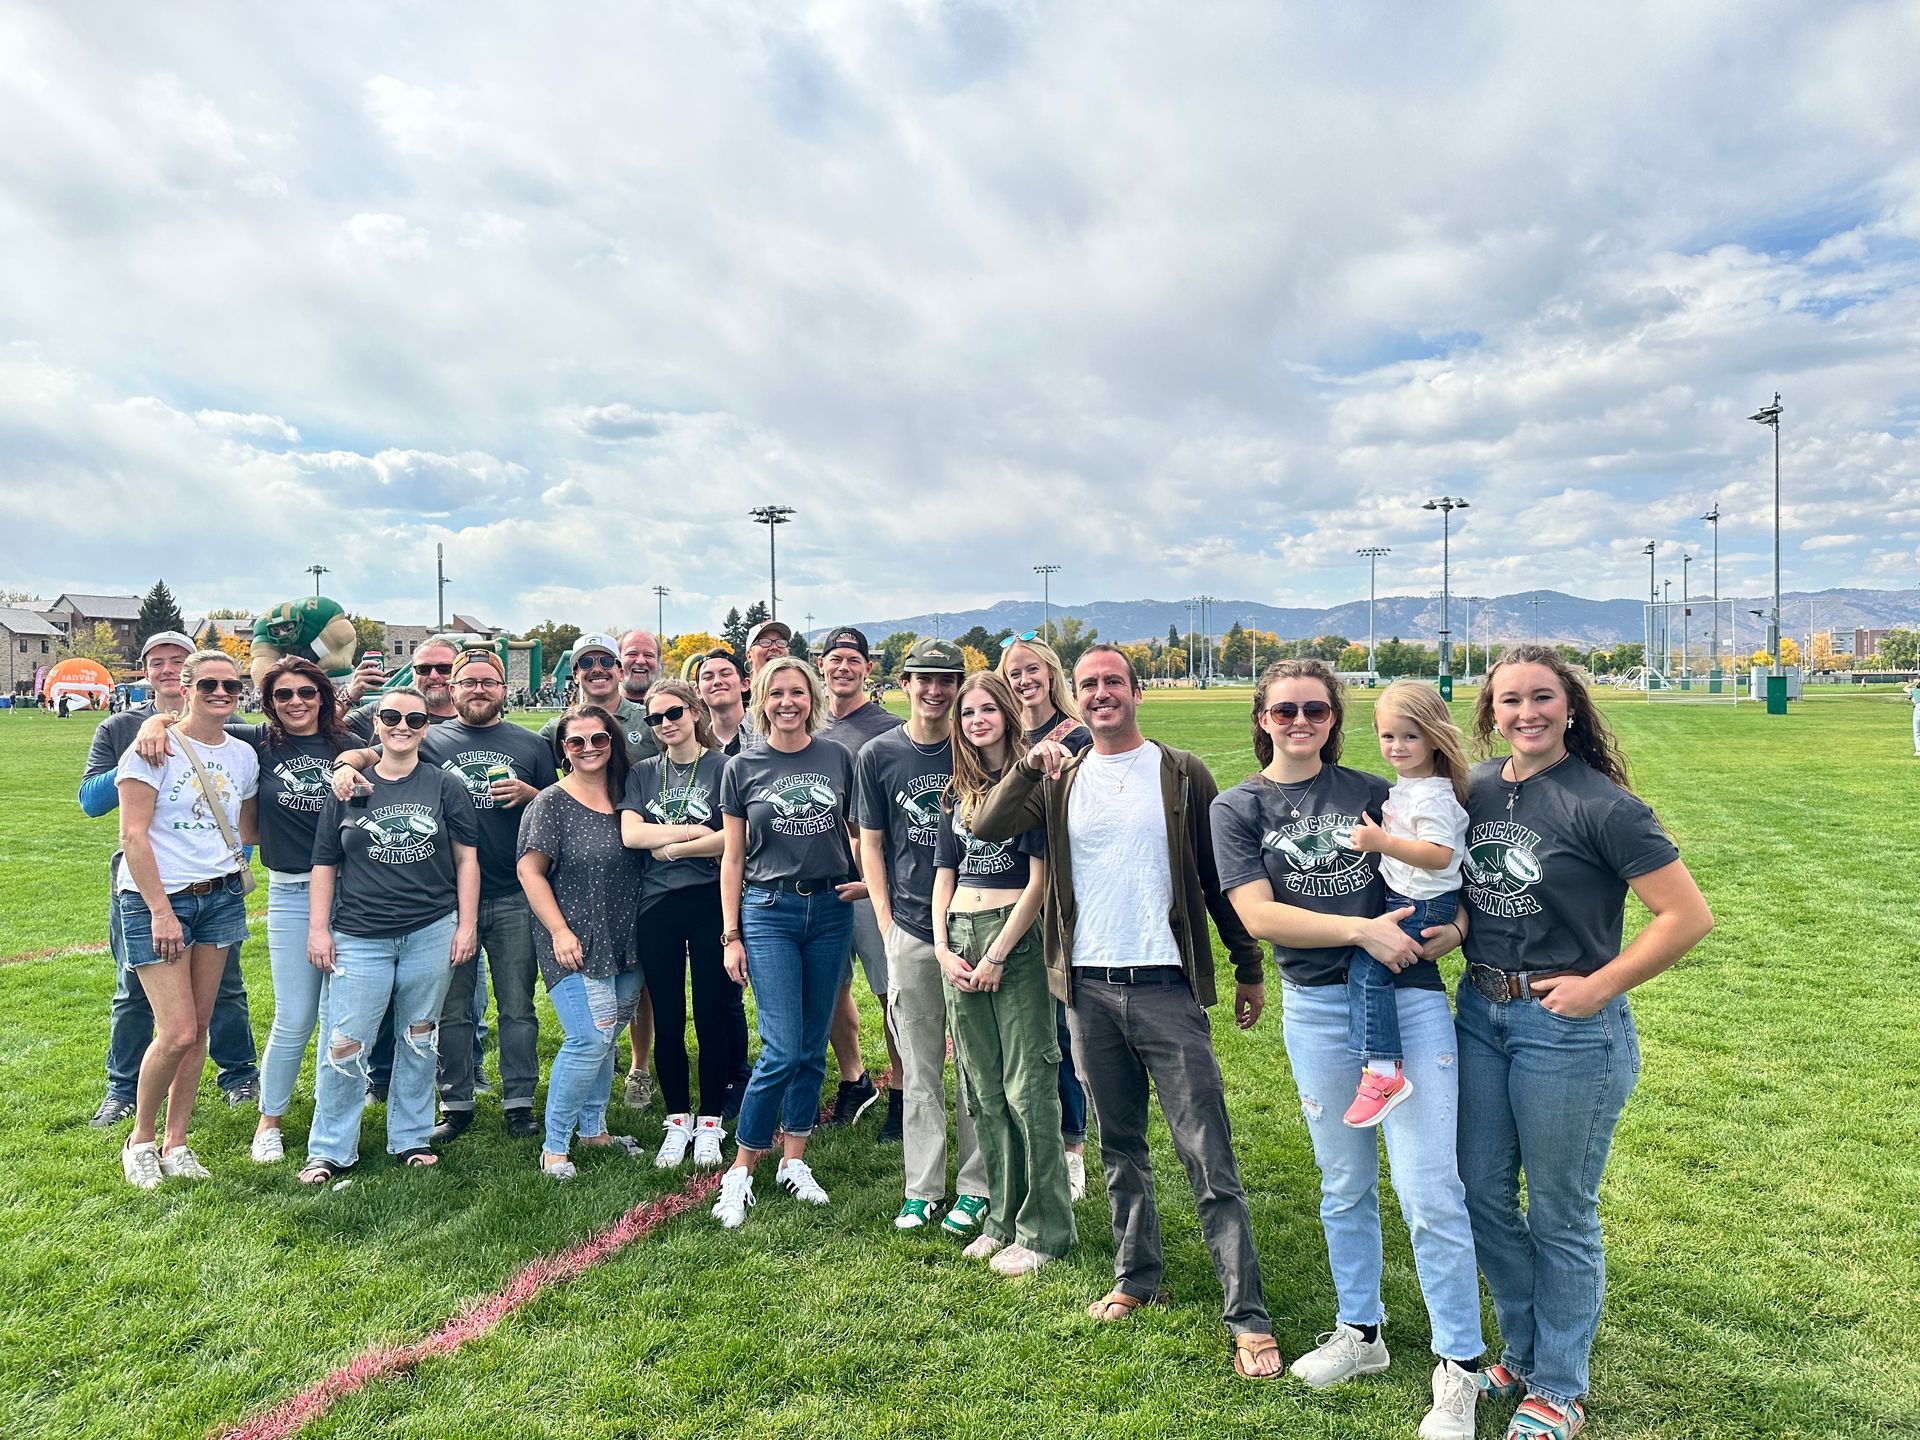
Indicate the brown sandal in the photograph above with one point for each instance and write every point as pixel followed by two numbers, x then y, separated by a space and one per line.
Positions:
pixel 1126 1303
pixel 1247 1348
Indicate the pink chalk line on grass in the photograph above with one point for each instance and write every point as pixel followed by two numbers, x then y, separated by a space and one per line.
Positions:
pixel 379 1362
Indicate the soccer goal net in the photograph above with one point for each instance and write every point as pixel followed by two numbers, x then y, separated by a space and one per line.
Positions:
pixel 1692 647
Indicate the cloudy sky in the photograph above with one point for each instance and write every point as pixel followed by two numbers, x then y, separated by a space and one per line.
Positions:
pixel 1179 297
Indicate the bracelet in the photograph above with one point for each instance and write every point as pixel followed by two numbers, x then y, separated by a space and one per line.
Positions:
pixel 1454 925
pixel 727 937
pixel 989 960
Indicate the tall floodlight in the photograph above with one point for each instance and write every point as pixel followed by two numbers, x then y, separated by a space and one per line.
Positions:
pixel 317 571
pixel 1686 620
pixel 440 583
pixel 1769 415
pixel 1373 554
pixel 1468 677
pixel 660 593
pixel 1712 517
pixel 1534 602
pixel 1446 505
pixel 772 516
pixel 1046 574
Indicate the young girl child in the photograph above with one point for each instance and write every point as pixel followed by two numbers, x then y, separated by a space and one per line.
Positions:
pixel 1420 849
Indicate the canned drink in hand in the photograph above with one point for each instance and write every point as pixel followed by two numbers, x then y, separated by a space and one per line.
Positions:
pixel 361 789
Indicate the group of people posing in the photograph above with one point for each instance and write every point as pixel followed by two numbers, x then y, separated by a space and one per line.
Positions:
pixel 1017 868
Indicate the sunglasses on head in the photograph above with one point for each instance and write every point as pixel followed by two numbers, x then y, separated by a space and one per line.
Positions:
pixel 412 719
pixel 596 661
pixel 296 692
pixel 1316 711
pixel 597 740
pixel 444 669
pixel 661 717
pixel 1028 635
pixel 206 685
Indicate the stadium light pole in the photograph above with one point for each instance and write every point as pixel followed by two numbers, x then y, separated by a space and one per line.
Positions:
pixel 660 593
pixel 1769 415
pixel 772 516
pixel 317 571
pixel 1373 554
pixel 1446 505
pixel 1046 574
pixel 1686 620
pixel 1534 601
pixel 1712 517
pixel 1468 602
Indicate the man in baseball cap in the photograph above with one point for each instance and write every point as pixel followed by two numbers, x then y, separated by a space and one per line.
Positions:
pixel 766 640
pixel 597 668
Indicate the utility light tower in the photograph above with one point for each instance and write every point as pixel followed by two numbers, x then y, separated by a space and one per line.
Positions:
pixel 1446 505
pixel 660 593
pixel 1046 574
pixel 1769 415
pixel 1373 554
pixel 772 516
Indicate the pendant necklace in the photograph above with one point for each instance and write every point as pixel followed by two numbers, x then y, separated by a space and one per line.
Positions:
pixel 1127 770
pixel 681 784
pixel 1294 802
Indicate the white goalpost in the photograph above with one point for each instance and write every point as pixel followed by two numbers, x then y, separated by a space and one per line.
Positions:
pixel 1691 649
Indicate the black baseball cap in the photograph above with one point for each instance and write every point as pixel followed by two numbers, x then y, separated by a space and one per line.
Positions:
pixel 845 638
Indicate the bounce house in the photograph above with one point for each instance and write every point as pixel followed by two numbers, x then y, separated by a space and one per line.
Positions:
pixel 83 684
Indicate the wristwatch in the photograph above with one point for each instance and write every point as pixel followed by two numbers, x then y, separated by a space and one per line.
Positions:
pixel 727 937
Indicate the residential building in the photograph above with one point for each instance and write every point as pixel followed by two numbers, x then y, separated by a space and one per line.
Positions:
pixel 27 641
pixel 122 612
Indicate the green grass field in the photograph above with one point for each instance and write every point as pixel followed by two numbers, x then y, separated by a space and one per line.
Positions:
pixel 1762 1207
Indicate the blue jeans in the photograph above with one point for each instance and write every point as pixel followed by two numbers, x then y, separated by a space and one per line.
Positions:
pixel 506 934
pixel 297 987
pixel 130 1018
pixel 1419 1135
pixel 1541 1094
pixel 412 971
pixel 1073 1095
pixel 592 1013
pixel 1373 1018
pixel 796 954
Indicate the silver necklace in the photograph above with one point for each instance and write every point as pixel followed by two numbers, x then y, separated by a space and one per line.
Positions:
pixel 1126 771
pixel 1294 802
pixel 929 754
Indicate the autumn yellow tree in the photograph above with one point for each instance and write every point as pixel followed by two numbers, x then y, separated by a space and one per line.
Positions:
pixel 676 654
pixel 975 659
pixel 96 643
pixel 240 650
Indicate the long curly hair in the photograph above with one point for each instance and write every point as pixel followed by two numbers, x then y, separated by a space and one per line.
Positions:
pixel 333 723
pixel 1588 737
pixel 1300 670
pixel 973 773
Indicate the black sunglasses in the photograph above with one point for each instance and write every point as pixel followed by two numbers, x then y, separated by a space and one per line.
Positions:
pixel 1315 710
pixel 446 669
pixel 596 661
pixel 661 717
pixel 412 719
pixel 598 740
pixel 206 685
pixel 296 692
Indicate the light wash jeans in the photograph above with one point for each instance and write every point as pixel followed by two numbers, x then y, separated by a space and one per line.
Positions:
pixel 1540 1094
pixel 796 954
pixel 1419 1135
pixel 592 1013
pixel 297 986
pixel 412 970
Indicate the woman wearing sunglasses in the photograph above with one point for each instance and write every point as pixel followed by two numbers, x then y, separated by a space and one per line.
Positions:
pixel 181 901
pixel 396 872
pixel 1033 673
pixel 583 886
pixel 671 810
pixel 1281 843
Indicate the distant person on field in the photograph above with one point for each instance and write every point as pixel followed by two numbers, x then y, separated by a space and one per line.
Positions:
pixel 182 902
pixel 1913 698
pixel 1130 884
pixel 1548 1052
pixel 130 1019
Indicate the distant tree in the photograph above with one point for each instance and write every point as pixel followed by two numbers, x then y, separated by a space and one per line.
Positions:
pixel 1789 650
pixel 19 597
pixel 159 611
pixel 226 614
pixel 1141 655
pixel 798 647
pixel 734 630
pixel 1072 636
pixel 1397 657
pixel 974 656
pixel 756 613
pixel 1626 654
pixel 1328 647
pixel 1174 642
pixel 1354 657
pixel 372 636
pixel 1899 648
pixel 892 651
pixel 1824 655
pixel 989 645
pixel 96 642
pixel 675 655
pixel 1572 654
pixel 555 637
pixel 239 648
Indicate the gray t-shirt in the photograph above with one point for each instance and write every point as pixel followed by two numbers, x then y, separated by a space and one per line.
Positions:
pixel 796 807
pixel 395 853
pixel 295 778
pixel 1257 836
pixel 595 880
pixel 900 785
pixel 1546 876
pixel 632 719
pixel 465 752
pixel 985 864
pixel 663 793
pixel 856 728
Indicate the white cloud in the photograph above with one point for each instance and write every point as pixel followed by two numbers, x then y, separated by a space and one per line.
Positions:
pixel 393 236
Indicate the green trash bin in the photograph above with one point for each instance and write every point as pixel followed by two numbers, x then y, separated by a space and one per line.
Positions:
pixel 1446 688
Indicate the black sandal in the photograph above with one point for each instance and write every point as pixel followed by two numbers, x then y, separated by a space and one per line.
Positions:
pixel 421 1157
pixel 325 1172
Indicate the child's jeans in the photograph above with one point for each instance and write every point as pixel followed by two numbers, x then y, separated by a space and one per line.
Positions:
pixel 1373 1017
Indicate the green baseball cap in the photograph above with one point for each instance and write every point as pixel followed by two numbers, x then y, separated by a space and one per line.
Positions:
pixel 939 657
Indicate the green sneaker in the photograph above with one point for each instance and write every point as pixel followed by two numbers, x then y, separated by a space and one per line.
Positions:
pixel 964 1215
pixel 914 1214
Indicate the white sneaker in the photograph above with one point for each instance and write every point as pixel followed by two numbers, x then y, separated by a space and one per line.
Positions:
pixel 182 1164
pixel 1076 1176
pixel 141 1164
pixel 982 1248
pixel 707 1135
pixel 268 1148
pixel 735 1198
pixel 1341 1356
pixel 796 1178
pixel 1455 1392
pixel 673 1148
pixel 1018 1260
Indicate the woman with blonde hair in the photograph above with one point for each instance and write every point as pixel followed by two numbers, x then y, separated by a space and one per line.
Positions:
pixel 986 907
pixel 787 883
pixel 1038 683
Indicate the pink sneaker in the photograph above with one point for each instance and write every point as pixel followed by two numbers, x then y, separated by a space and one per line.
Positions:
pixel 1378 1094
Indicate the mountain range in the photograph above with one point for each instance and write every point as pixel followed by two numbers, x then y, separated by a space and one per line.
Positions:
pixel 1558 617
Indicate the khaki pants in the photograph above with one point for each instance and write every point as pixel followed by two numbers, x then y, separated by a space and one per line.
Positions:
pixel 917 1007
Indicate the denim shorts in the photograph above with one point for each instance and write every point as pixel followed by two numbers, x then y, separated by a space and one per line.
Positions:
pixel 217 918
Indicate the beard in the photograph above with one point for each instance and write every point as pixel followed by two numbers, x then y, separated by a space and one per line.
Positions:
pixel 480 711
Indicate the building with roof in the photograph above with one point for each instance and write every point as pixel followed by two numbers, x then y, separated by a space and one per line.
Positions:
pixel 27 641
pixel 121 612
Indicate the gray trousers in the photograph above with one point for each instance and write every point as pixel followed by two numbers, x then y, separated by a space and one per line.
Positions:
pixel 506 935
pixel 917 1007
pixel 1124 1036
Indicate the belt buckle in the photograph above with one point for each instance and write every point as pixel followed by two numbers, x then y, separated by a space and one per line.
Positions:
pixel 1494 985
pixel 803 887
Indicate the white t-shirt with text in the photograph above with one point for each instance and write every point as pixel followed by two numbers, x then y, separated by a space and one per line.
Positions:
pixel 187 844
pixel 1122 888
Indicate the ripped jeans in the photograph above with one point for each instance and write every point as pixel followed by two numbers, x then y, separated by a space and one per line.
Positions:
pixel 592 1012
pixel 1420 1138
pixel 413 971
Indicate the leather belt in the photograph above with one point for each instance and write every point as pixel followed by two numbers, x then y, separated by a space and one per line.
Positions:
pixel 801 887
pixel 1503 987
pixel 205 887
pixel 1130 974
